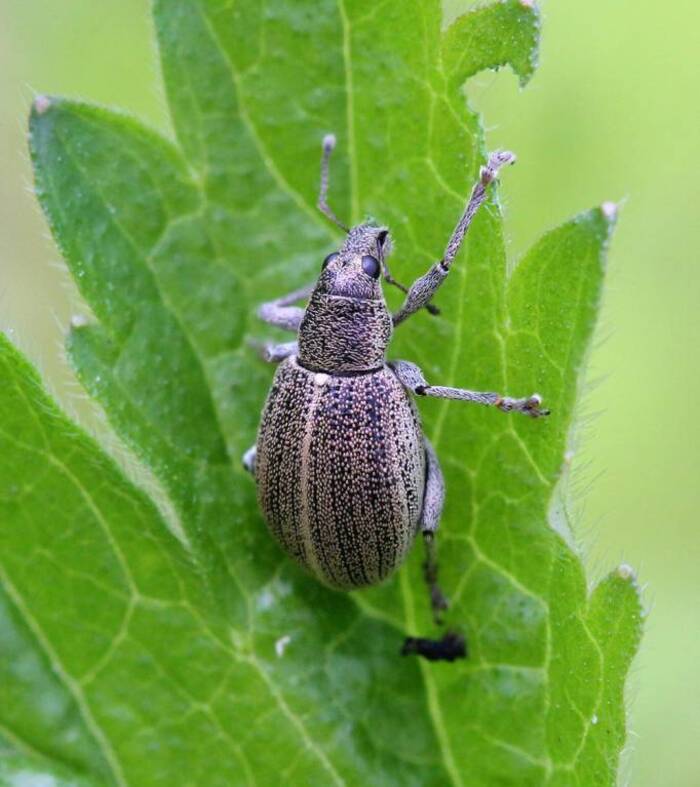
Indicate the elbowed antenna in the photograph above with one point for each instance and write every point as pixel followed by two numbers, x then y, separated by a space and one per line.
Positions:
pixel 389 279
pixel 323 206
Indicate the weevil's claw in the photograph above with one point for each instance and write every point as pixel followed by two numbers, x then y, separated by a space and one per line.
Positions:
pixel 438 600
pixel 532 407
pixel 451 647
pixel 434 310
pixel 497 159
pixel 529 406
pixel 438 603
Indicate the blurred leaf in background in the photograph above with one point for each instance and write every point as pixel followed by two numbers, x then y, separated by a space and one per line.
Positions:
pixel 613 122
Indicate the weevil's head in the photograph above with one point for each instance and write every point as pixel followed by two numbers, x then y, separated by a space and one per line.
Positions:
pixel 347 327
pixel 355 270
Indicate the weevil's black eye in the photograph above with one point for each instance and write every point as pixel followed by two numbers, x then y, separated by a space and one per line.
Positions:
pixel 370 265
pixel 328 259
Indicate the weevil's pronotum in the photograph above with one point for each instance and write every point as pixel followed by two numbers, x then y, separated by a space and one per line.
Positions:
pixel 345 476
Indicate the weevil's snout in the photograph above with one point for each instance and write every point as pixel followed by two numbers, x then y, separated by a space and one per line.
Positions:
pixel 354 271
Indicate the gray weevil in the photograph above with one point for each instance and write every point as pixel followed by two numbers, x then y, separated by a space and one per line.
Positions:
pixel 345 476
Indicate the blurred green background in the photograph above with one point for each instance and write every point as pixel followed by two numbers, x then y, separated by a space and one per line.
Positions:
pixel 612 114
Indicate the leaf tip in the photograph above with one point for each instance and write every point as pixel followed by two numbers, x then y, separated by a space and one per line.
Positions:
pixel 609 210
pixel 626 572
pixel 42 104
pixel 622 582
pixel 281 645
pixel 41 121
pixel 501 33
pixel 78 321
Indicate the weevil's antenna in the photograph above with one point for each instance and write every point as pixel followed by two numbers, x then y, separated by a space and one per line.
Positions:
pixel 323 206
pixel 389 279
pixel 384 248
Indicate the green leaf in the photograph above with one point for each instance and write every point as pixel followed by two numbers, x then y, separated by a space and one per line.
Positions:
pixel 21 769
pixel 118 664
pixel 215 655
pixel 495 35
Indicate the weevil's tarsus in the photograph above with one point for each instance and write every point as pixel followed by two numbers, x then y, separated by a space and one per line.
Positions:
pixel 423 289
pixel 438 600
pixel 323 206
pixel 451 647
pixel 412 378
pixel 433 501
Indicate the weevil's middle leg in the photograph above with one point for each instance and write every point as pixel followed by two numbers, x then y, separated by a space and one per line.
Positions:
pixel 433 501
pixel 412 378
pixel 423 289
pixel 249 458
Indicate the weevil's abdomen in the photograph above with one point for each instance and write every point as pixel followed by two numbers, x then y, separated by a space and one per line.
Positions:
pixel 340 471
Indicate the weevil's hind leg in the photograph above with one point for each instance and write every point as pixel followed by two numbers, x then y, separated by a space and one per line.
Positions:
pixel 249 458
pixel 452 645
pixel 433 502
pixel 281 313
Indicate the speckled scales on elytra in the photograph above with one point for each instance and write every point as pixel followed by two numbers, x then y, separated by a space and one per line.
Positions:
pixel 341 472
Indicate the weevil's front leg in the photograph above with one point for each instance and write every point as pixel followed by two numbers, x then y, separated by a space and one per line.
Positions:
pixel 274 353
pixel 249 459
pixel 433 501
pixel 281 313
pixel 423 289
pixel 412 378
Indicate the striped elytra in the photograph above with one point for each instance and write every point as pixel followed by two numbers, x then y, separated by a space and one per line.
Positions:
pixel 341 471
